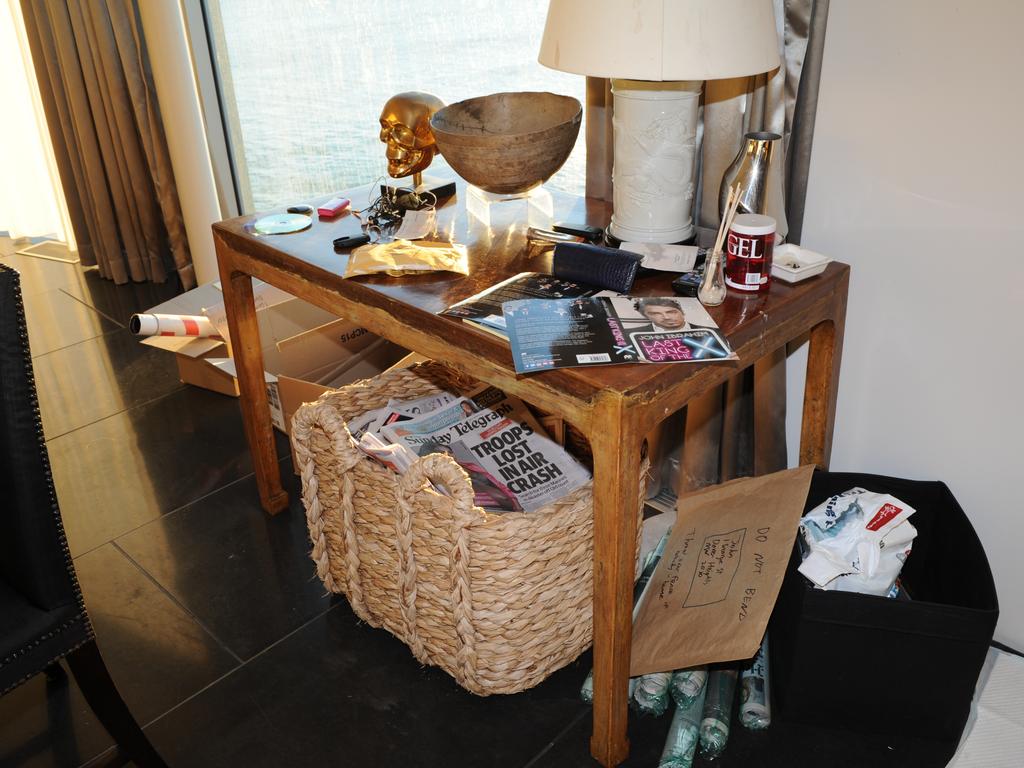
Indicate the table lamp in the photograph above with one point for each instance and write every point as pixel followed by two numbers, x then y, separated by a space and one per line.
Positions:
pixel 658 53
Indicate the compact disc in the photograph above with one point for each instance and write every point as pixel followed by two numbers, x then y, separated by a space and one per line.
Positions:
pixel 282 223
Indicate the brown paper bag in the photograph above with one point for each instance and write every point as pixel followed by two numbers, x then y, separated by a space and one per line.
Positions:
pixel 714 589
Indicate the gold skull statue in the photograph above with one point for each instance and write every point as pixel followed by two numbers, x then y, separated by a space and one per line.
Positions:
pixel 405 128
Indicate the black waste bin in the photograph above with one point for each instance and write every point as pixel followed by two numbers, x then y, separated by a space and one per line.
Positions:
pixel 889 666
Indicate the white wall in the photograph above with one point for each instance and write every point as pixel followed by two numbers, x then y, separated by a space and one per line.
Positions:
pixel 916 182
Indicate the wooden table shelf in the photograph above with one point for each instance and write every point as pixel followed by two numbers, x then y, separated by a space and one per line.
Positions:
pixel 615 406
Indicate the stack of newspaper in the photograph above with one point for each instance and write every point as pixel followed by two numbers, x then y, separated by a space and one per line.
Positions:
pixel 512 463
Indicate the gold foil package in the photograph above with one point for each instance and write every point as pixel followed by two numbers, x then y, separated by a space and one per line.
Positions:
pixel 403 257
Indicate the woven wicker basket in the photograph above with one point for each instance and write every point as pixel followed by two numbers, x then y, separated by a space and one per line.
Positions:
pixel 498 601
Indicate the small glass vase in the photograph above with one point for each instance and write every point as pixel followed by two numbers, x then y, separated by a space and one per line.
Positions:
pixel 712 288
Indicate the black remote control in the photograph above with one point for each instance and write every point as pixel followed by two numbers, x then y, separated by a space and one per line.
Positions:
pixel 688 283
pixel 587 232
pixel 350 241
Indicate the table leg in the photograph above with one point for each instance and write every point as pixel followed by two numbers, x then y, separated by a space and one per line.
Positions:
pixel 770 413
pixel 824 355
pixel 616 446
pixel 248 357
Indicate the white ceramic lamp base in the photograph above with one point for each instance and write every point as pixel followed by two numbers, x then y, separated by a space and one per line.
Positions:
pixel 655 126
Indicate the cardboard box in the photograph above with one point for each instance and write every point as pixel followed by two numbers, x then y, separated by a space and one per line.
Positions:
pixel 900 668
pixel 299 341
pixel 294 392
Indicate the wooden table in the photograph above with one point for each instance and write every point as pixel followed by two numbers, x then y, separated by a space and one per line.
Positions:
pixel 615 406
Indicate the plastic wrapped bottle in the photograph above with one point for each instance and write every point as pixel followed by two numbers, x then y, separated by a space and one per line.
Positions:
pixel 687 684
pixel 683 734
pixel 755 703
pixel 714 728
pixel 587 689
pixel 651 693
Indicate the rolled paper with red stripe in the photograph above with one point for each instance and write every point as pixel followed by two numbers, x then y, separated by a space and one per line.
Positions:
pixel 173 325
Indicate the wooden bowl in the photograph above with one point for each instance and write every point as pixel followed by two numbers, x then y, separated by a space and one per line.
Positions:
pixel 508 143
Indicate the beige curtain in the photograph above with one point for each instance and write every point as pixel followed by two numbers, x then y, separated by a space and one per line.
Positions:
pixel 740 428
pixel 97 90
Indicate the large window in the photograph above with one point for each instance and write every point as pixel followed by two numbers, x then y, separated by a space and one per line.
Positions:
pixel 303 81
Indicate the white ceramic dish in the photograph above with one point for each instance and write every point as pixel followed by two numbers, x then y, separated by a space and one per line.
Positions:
pixel 791 263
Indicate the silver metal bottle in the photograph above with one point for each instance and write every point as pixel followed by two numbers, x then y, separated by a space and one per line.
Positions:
pixel 758 171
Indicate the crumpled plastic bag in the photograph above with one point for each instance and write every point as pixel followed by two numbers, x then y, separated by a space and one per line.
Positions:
pixel 857 541
pixel 403 257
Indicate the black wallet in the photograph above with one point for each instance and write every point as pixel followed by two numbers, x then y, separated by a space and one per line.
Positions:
pixel 605 267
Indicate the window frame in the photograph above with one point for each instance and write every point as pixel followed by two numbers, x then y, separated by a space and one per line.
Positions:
pixel 224 134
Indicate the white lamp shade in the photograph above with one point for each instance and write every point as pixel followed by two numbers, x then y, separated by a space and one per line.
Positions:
pixel 660 39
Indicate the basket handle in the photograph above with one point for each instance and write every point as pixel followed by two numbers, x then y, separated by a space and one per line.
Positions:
pixel 327 418
pixel 440 469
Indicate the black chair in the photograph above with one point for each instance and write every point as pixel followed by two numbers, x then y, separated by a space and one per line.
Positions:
pixel 42 615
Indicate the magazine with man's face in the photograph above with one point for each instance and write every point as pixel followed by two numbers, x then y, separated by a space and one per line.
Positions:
pixel 584 331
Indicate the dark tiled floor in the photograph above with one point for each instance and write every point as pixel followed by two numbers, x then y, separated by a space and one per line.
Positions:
pixel 163 655
pixel 783 745
pixel 362 701
pixel 57 319
pixel 85 382
pixel 39 275
pixel 207 610
pixel 134 466
pixel 216 555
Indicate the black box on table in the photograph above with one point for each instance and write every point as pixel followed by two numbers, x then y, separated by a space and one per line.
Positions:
pixel 883 665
